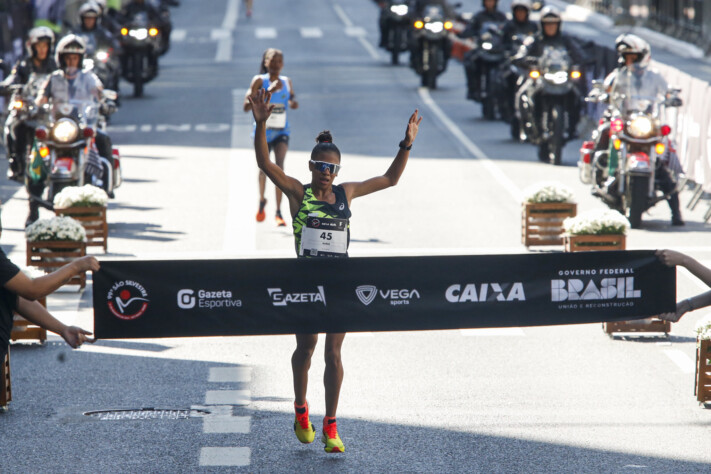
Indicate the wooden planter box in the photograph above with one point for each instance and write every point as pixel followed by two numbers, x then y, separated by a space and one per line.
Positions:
pixel 702 387
pixel 5 385
pixel 584 243
pixel 52 255
pixel 542 223
pixel 93 219
pixel 638 325
pixel 23 329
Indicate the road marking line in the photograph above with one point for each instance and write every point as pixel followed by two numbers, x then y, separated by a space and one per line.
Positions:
pixel 355 31
pixel 682 360
pixel 231 15
pixel 230 374
pixel 178 35
pixel 265 33
pixel 240 230
pixel 490 166
pixel 225 424
pixel 493 332
pixel 342 15
pixel 309 32
pixel 227 397
pixel 224 456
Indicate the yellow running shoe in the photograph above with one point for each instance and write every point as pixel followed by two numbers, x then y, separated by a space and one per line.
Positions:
pixel 330 438
pixel 303 428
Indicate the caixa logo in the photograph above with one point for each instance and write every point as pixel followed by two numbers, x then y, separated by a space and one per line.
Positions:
pixel 283 298
pixel 127 299
pixel 368 293
pixel 602 289
pixel 482 292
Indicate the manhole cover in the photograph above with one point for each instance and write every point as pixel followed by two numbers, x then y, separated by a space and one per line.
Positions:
pixel 146 414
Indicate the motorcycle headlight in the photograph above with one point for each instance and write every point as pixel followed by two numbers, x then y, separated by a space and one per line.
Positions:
pixel 641 127
pixel 102 56
pixel 435 26
pixel 139 34
pixel 400 10
pixel 487 46
pixel 65 131
pixel 560 77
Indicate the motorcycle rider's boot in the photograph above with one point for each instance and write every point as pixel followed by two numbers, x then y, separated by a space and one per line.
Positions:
pixel 676 219
pixel 34 213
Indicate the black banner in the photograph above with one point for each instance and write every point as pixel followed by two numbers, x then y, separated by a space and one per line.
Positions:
pixel 148 299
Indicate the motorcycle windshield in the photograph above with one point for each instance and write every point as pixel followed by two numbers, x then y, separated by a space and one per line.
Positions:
pixel 433 12
pixel 85 112
pixel 643 93
pixel 554 59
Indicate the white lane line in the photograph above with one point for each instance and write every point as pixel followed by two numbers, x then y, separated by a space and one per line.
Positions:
pixel 682 360
pixel 176 36
pixel 265 33
pixel 355 31
pixel 230 374
pixel 231 15
pixel 240 232
pixel 372 51
pixel 226 424
pixel 493 332
pixel 309 32
pixel 491 167
pixel 342 15
pixel 227 397
pixel 224 456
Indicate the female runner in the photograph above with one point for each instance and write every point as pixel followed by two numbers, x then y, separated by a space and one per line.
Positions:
pixel 329 202
pixel 278 124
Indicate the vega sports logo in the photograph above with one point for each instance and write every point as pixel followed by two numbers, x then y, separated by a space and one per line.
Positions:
pixel 127 300
pixel 368 293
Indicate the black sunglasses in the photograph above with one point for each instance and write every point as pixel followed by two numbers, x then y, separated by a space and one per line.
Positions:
pixel 322 166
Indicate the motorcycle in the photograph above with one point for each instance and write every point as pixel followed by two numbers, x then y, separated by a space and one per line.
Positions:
pixel 141 43
pixel 22 110
pixel 639 141
pixel 431 37
pixel 102 61
pixel 489 53
pixel 542 106
pixel 398 25
pixel 505 80
pixel 65 153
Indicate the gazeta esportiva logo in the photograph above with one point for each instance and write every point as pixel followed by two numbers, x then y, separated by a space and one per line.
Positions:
pixel 127 299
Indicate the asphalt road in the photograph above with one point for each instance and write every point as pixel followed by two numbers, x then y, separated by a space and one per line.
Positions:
pixel 549 399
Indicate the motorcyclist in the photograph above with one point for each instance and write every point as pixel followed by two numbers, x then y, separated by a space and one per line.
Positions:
pixel 38 61
pixel 489 15
pixel 383 22
pixel 136 7
pixel 419 10
pixel 70 83
pixel 551 35
pixel 519 24
pixel 90 25
pixel 636 81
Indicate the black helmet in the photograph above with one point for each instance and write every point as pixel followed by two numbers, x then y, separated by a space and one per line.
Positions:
pixel 70 44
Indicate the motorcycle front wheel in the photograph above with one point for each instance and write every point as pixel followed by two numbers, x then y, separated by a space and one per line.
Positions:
pixel 637 192
pixel 557 120
pixel 138 75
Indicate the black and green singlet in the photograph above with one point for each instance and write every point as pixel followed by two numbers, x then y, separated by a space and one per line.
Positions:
pixel 322 229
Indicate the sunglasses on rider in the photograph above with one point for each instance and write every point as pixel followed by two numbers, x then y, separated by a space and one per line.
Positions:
pixel 322 166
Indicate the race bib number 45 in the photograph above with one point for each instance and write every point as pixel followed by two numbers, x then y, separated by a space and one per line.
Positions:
pixel 324 236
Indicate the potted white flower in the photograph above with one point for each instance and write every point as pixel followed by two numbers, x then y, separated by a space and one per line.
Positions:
pixel 599 229
pixel 703 359
pixel 53 242
pixel 545 205
pixel 87 204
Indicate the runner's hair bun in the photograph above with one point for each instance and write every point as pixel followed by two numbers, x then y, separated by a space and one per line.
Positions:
pixel 324 137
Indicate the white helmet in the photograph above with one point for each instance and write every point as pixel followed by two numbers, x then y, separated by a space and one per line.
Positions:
pixel 633 44
pixel 37 34
pixel 551 14
pixel 90 10
pixel 70 44
pixel 521 4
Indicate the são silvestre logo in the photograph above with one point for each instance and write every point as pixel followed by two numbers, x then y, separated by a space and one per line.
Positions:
pixel 127 299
